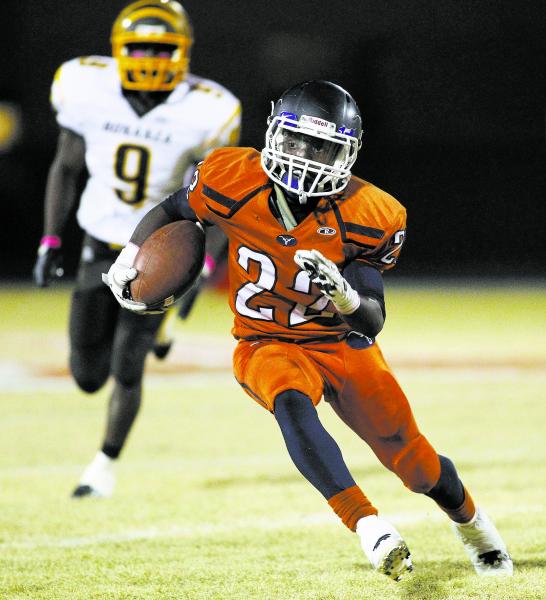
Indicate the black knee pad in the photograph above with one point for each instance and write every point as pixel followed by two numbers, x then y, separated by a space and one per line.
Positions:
pixel 448 491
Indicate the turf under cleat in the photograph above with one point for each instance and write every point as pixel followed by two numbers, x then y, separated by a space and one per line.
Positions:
pixel 384 547
pixel 98 479
pixel 484 545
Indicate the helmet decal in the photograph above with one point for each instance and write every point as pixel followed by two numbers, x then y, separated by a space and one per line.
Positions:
pixel 347 131
pixel 289 115
pixel 321 124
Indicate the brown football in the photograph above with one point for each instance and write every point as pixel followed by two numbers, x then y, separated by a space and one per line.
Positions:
pixel 168 263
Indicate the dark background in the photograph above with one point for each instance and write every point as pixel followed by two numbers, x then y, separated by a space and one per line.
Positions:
pixel 452 95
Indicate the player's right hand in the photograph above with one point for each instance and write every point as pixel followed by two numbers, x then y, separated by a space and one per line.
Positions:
pixel 120 274
pixel 48 263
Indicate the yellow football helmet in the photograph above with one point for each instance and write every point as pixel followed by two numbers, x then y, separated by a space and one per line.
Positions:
pixel 152 24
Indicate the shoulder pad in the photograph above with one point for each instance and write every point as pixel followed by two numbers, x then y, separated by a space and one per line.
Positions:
pixel 75 81
pixel 77 85
pixel 229 178
pixel 218 110
pixel 367 215
pixel 372 223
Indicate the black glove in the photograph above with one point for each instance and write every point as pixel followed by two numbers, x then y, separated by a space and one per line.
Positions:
pixel 47 265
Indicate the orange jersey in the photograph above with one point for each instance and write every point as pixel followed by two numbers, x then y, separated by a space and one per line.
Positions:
pixel 270 295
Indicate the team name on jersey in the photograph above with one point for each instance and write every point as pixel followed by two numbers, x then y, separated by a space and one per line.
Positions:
pixel 141 132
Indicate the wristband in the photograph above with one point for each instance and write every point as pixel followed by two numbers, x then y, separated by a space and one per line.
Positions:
pixel 51 241
pixel 208 266
pixel 347 303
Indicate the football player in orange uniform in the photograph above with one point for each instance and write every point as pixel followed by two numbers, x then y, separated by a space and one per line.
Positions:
pixel 307 245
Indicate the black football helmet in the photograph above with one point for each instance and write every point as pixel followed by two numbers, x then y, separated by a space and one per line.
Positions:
pixel 313 138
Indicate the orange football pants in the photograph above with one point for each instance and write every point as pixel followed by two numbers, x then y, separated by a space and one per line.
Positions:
pixel 360 387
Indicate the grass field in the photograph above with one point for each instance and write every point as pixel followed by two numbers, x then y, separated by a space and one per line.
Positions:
pixel 208 504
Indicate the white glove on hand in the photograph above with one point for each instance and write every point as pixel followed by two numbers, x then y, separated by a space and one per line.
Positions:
pixel 326 276
pixel 120 274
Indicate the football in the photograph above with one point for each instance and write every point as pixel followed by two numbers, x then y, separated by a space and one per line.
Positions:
pixel 168 264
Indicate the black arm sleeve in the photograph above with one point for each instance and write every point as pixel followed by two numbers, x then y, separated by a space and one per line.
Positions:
pixel 178 207
pixel 369 317
pixel 367 281
pixel 174 208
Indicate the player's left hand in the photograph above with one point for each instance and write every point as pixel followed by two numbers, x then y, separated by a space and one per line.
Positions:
pixel 48 262
pixel 326 276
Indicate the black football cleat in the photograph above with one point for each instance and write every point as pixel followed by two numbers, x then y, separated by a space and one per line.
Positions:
pixel 83 490
pixel 162 349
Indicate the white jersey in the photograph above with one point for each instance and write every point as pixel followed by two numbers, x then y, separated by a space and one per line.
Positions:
pixel 135 162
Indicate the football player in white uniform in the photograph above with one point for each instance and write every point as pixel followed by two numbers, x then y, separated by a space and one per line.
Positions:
pixel 138 122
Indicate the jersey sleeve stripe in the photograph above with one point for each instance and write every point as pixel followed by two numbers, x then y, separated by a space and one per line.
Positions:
pixel 218 197
pixel 370 232
pixel 222 202
pixel 344 233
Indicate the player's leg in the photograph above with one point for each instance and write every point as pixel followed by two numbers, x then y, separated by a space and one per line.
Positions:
pixel 291 389
pixel 375 407
pixel 312 449
pixel 134 336
pixel 133 340
pixel 482 542
pixel 318 458
pixel 93 317
pixel 164 338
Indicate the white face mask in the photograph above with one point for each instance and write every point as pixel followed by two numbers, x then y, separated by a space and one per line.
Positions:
pixel 308 157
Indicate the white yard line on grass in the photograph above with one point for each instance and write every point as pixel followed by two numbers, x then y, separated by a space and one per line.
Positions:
pixel 155 464
pixel 203 529
pixel 211 529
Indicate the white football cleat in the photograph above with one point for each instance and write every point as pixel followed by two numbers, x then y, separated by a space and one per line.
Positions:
pixel 98 479
pixel 384 547
pixel 484 545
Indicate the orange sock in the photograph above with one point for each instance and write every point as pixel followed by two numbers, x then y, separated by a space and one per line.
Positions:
pixel 463 513
pixel 350 505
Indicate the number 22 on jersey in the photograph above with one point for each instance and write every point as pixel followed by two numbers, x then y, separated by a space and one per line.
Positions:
pixel 265 282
